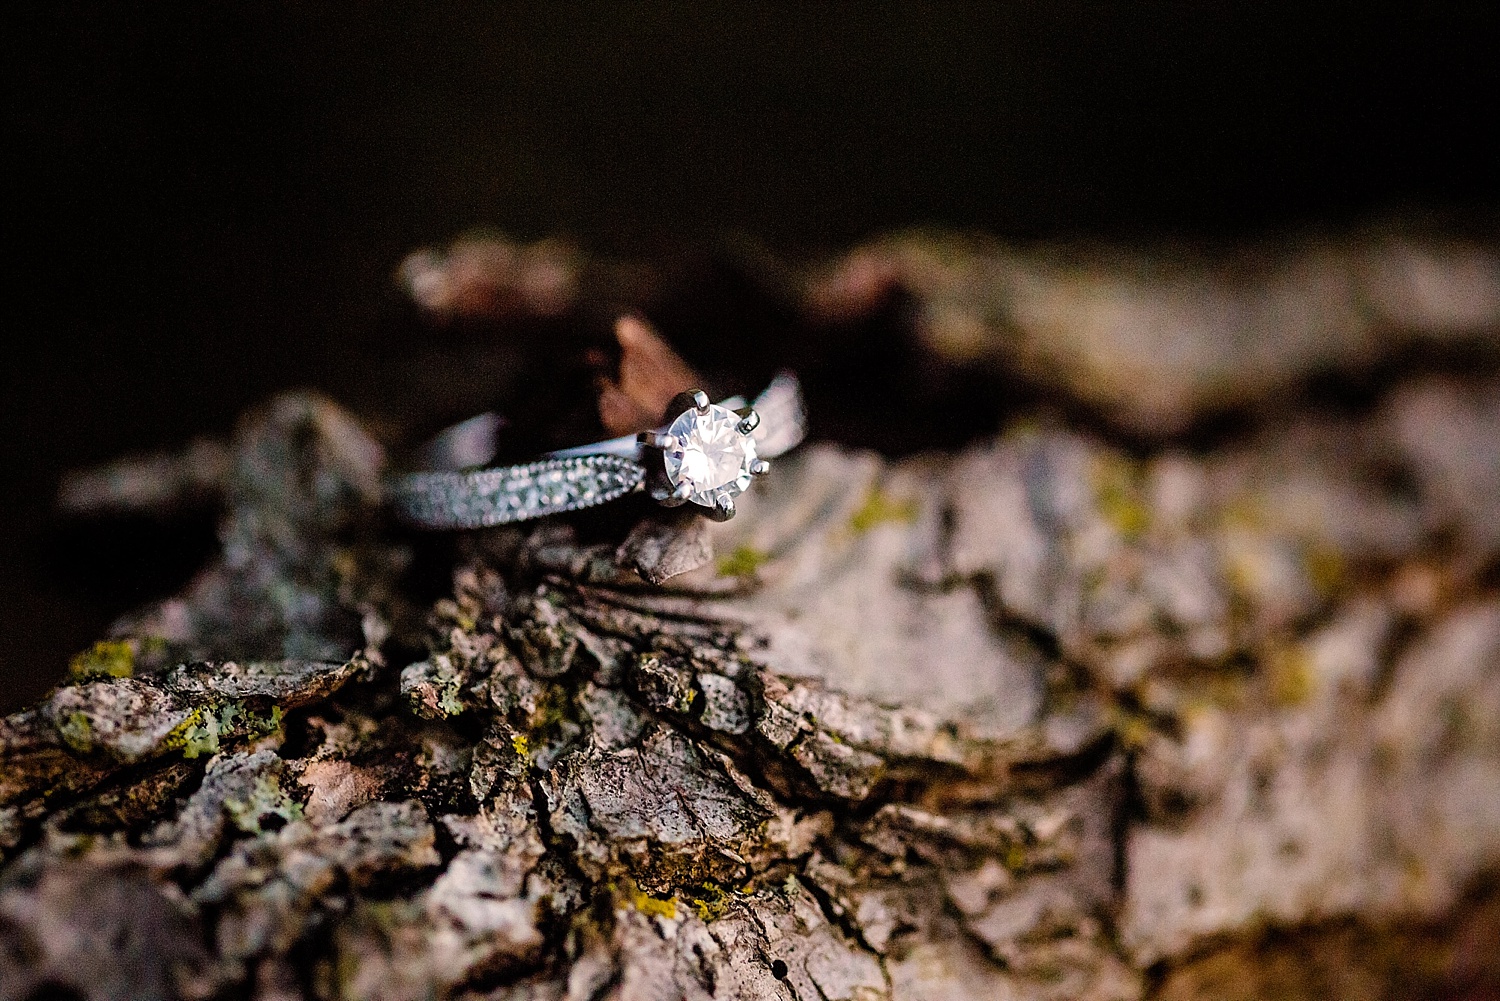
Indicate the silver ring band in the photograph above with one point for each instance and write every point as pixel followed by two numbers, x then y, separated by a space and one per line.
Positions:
pixel 715 451
pixel 499 496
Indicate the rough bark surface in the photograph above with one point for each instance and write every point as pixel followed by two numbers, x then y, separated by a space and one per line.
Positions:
pixel 1037 717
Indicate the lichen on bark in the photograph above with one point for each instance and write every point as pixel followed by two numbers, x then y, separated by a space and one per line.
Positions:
pixel 1041 716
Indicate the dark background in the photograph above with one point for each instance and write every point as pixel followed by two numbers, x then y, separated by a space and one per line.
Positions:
pixel 206 205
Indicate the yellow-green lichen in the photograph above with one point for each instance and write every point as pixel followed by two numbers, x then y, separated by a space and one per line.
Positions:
pixel 105 659
pixel 266 798
pixel 552 706
pixel 520 744
pixel 1226 688
pixel 77 732
pixel 204 729
pixel 743 562
pixel 1290 675
pixel 440 690
pixel 880 508
pixel 662 907
pixel 264 725
pixel 1244 513
pixel 178 735
pixel 1132 729
pixel 1117 491
pixel 447 608
pixel 198 734
pixel 448 700
pixel 1325 567
pixel 710 900
pixel 1022 429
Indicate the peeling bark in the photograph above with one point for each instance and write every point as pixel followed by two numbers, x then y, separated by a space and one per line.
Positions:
pixel 1038 717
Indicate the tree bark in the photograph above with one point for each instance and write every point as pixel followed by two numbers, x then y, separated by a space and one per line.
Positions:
pixel 1096 706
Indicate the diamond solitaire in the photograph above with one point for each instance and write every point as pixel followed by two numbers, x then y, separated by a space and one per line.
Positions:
pixel 708 454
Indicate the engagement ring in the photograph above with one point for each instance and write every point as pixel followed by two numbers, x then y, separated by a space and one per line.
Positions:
pixel 705 454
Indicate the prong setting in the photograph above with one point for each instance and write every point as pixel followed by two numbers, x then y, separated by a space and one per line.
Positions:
pixel 700 401
pixel 657 440
pixel 749 421
pixel 678 495
pixel 759 467
pixel 723 508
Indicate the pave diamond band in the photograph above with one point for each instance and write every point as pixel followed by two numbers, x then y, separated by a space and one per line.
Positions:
pixel 705 454
pixel 487 497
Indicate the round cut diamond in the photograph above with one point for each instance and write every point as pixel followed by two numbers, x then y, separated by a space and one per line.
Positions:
pixel 710 455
